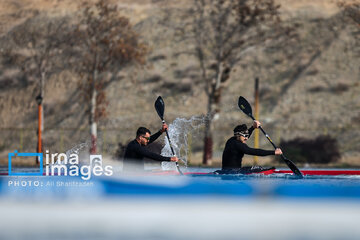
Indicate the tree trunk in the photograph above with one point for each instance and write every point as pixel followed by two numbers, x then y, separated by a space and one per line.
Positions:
pixel 214 96
pixel 208 143
pixel 208 140
pixel 40 147
pixel 93 124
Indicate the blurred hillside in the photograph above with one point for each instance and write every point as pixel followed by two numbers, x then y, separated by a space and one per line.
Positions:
pixel 307 88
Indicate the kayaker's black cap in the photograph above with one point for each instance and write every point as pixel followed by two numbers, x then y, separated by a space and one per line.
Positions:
pixel 241 128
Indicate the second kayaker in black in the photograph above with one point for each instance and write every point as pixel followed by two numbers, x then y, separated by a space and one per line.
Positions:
pixel 236 148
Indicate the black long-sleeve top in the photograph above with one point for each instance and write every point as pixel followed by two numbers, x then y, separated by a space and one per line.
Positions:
pixel 135 154
pixel 234 152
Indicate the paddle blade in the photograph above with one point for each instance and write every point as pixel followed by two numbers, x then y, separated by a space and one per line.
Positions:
pixel 160 107
pixel 244 106
pixel 292 166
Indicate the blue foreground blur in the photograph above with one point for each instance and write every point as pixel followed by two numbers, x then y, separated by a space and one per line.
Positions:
pixel 179 207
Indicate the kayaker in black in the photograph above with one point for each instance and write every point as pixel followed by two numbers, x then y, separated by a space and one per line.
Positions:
pixel 236 147
pixel 136 150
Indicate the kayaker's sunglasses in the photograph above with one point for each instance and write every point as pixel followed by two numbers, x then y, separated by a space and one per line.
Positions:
pixel 246 135
pixel 147 138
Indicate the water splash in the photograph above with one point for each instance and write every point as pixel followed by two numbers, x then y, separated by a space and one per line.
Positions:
pixel 76 150
pixel 179 131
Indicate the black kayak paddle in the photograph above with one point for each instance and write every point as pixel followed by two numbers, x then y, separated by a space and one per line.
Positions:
pixel 160 109
pixel 246 108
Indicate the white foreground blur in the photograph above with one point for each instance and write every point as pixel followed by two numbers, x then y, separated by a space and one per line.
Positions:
pixel 179 218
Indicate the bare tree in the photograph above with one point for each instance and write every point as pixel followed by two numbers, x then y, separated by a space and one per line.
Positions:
pixel 34 47
pixel 220 31
pixel 107 43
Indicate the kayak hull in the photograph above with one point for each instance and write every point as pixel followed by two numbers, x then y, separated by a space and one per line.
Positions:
pixel 271 171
